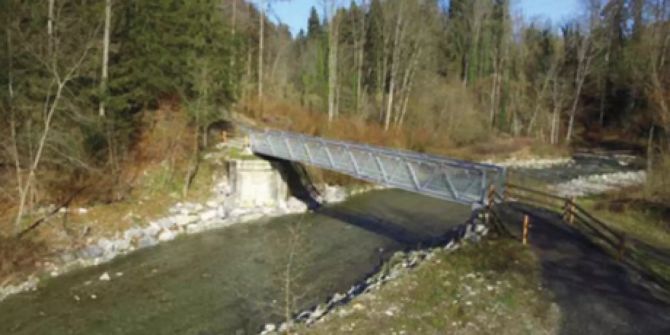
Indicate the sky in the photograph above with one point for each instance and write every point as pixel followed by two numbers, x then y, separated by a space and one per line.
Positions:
pixel 294 13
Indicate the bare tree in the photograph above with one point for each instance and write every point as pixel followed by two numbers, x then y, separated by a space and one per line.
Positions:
pixel 60 75
pixel 105 54
pixel 585 53
pixel 395 60
pixel 261 34
pixel 333 36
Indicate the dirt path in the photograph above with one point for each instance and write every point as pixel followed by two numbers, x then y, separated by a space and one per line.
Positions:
pixel 596 294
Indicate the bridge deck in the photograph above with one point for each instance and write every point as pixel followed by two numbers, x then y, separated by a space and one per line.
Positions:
pixel 444 178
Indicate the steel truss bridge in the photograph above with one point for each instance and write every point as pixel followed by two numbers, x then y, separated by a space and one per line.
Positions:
pixel 448 179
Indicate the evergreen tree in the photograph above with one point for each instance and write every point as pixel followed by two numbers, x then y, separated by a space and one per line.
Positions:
pixel 314 29
pixel 374 47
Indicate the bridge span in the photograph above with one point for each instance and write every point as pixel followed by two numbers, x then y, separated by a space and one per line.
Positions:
pixel 445 178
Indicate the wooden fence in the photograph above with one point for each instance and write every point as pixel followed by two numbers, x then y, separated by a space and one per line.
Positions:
pixel 623 248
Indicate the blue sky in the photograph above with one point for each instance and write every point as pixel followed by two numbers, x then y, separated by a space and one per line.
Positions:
pixel 295 12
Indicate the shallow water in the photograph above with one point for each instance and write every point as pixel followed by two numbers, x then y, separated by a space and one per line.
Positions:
pixel 230 281
pixel 581 166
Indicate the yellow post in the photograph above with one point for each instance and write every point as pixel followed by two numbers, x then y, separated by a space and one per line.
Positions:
pixel 525 229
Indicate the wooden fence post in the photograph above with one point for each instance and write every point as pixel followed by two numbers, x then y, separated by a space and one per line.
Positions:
pixel 569 210
pixel 572 211
pixel 622 248
pixel 526 223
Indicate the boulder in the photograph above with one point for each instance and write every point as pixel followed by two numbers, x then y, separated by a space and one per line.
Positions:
pixel 295 206
pixel 166 235
pixel 106 245
pixel 146 241
pixel 166 223
pixel 208 215
pixel 194 228
pixel 91 251
pixel 333 194
pixel 183 220
pixel 133 233
pixel 152 230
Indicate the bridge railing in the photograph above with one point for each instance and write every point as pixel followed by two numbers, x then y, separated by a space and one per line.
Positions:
pixel 449 179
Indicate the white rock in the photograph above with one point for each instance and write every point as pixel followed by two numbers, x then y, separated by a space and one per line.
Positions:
pixel 221 212
pixel 334 194
pixel 152 230
pixel 105 277
pixel 295 206
pixel 146 241
pixel 208 215
pixel 270 327
pixel 133 233
pixel 183 220
pixel 212 204
pixel 193 228
pixel 166 235
pixel 238 212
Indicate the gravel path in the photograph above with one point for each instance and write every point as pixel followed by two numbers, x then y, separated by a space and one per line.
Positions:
pixel 596 294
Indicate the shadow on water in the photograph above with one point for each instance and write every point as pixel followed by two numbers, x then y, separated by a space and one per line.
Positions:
pixel 228 281
pixel 596 294
pixel 301 186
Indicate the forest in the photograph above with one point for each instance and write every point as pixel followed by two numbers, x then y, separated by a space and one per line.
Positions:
pixel 82 82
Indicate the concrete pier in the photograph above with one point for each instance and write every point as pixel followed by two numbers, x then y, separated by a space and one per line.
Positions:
pixel 257 183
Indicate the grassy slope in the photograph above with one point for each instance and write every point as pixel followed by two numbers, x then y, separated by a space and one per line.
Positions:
pixel 646 226
pixel 488 288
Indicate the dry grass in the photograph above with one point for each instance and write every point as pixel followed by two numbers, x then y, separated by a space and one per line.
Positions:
pixel 658 182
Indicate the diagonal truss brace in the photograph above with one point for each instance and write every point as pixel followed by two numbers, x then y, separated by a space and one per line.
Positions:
pixel 444 178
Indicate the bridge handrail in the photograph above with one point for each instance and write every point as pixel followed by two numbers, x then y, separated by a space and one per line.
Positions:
pixel 442 177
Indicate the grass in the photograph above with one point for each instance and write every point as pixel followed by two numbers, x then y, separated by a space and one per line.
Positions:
pixel 646 226
pixel 632 218
pixel 489 288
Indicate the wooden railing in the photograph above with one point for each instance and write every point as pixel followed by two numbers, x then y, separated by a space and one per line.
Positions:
pixel 623 248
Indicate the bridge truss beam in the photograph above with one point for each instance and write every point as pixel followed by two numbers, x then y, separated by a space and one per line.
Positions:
pixel 440 177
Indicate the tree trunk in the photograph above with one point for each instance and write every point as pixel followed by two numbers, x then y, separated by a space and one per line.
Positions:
pixel 359 66
pixel 105 56
pixel 407 83
pixel 332 68
pixel 50 28
pixel 23 194
pixel 261 37
pixel 582 70
pixel 395 55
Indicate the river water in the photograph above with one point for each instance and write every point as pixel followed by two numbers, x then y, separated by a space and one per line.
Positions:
pixel 230 281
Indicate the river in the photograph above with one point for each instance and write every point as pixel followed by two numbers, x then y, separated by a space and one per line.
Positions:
pixel 230 281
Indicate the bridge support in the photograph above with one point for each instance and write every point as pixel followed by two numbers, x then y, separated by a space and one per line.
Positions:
pixel 256 183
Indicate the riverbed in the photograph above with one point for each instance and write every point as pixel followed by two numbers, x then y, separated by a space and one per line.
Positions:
pixel 232 280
